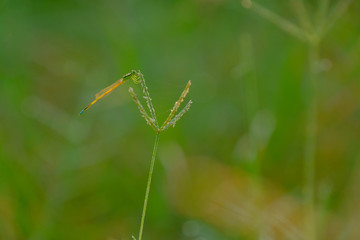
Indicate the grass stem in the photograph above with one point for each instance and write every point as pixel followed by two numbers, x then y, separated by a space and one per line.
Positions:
pixel 336 13
pixel 279 21
pixel 148 185
pixel 302 14
pixel 310 145
pixel 321 16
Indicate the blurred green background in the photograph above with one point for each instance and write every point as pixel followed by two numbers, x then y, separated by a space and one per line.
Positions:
pixel 233 166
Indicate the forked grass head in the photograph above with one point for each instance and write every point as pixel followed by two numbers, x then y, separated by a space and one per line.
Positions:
pixel 151 117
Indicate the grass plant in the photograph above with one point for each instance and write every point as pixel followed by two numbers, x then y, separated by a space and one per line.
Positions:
pixel 151 119
pixel 311 31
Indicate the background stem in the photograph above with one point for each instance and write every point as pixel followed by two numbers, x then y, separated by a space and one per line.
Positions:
pixel 148 184
pixel 310 145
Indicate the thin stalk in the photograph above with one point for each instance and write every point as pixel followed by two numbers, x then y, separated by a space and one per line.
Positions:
pixel 302 14
pixel 148 184
pixel 336 13
pixel 322 15
pixel 279 21
pixel 310 145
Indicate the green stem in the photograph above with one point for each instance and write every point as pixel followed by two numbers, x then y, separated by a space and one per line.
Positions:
pixel 148 184
pixel 279 21
pixel 310 146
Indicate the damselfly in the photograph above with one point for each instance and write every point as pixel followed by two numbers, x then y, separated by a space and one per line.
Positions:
pixel 106 91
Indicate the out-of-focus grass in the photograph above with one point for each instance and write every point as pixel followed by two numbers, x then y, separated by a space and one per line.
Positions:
pixel 62 177
pixel 312 30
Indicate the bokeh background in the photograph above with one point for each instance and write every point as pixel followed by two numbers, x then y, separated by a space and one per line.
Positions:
pixel 232 168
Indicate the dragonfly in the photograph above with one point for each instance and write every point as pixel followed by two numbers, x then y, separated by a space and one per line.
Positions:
pixel 106 91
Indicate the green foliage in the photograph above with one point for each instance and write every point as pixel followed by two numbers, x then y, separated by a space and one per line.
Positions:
pixel 66 177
